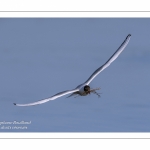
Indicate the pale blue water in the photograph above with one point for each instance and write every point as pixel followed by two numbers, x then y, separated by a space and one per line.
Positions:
pixel 41 57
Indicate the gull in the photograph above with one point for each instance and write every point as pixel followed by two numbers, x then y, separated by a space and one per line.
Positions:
pixel 84 88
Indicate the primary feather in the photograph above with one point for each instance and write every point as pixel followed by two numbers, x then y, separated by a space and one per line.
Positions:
pixel 110 60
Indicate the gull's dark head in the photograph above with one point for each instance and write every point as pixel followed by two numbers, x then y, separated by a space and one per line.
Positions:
pixel 87 88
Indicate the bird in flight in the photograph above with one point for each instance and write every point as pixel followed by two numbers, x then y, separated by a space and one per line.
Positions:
pixel 84 88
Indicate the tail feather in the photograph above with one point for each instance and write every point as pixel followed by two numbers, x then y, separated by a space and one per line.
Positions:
pixel 73 94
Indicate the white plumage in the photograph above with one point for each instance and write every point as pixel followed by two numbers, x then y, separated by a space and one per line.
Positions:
pixel 84 88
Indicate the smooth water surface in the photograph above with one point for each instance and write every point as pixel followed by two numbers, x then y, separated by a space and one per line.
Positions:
pixel 41 57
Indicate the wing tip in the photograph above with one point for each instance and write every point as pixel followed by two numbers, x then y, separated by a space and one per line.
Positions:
pixel 129 35
pixel 15 104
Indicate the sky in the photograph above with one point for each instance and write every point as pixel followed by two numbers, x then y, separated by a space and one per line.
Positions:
pixel 43 56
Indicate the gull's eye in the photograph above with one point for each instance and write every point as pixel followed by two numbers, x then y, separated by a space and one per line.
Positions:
pixel 86 88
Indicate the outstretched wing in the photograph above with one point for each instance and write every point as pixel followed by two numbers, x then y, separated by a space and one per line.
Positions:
pixel 110 60
pixel 49 99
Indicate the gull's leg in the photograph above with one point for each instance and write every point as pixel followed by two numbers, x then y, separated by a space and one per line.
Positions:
pixel 98 94
pixel 94 91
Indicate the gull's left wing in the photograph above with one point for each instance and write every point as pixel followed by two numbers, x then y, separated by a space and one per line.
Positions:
pixel 49 99
pixel 110 60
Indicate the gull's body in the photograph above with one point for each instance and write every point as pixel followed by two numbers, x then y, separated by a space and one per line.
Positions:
pixel 84 88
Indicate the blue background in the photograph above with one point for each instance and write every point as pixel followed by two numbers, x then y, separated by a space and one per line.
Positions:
pixel 41 57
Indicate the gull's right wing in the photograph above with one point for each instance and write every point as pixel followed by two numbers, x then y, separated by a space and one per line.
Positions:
pixel 49 99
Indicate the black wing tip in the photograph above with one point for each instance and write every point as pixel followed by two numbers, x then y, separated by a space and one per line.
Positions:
pixel 14 103
pixel 128 36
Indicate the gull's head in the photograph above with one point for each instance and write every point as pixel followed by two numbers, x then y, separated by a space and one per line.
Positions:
pixel 87 89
